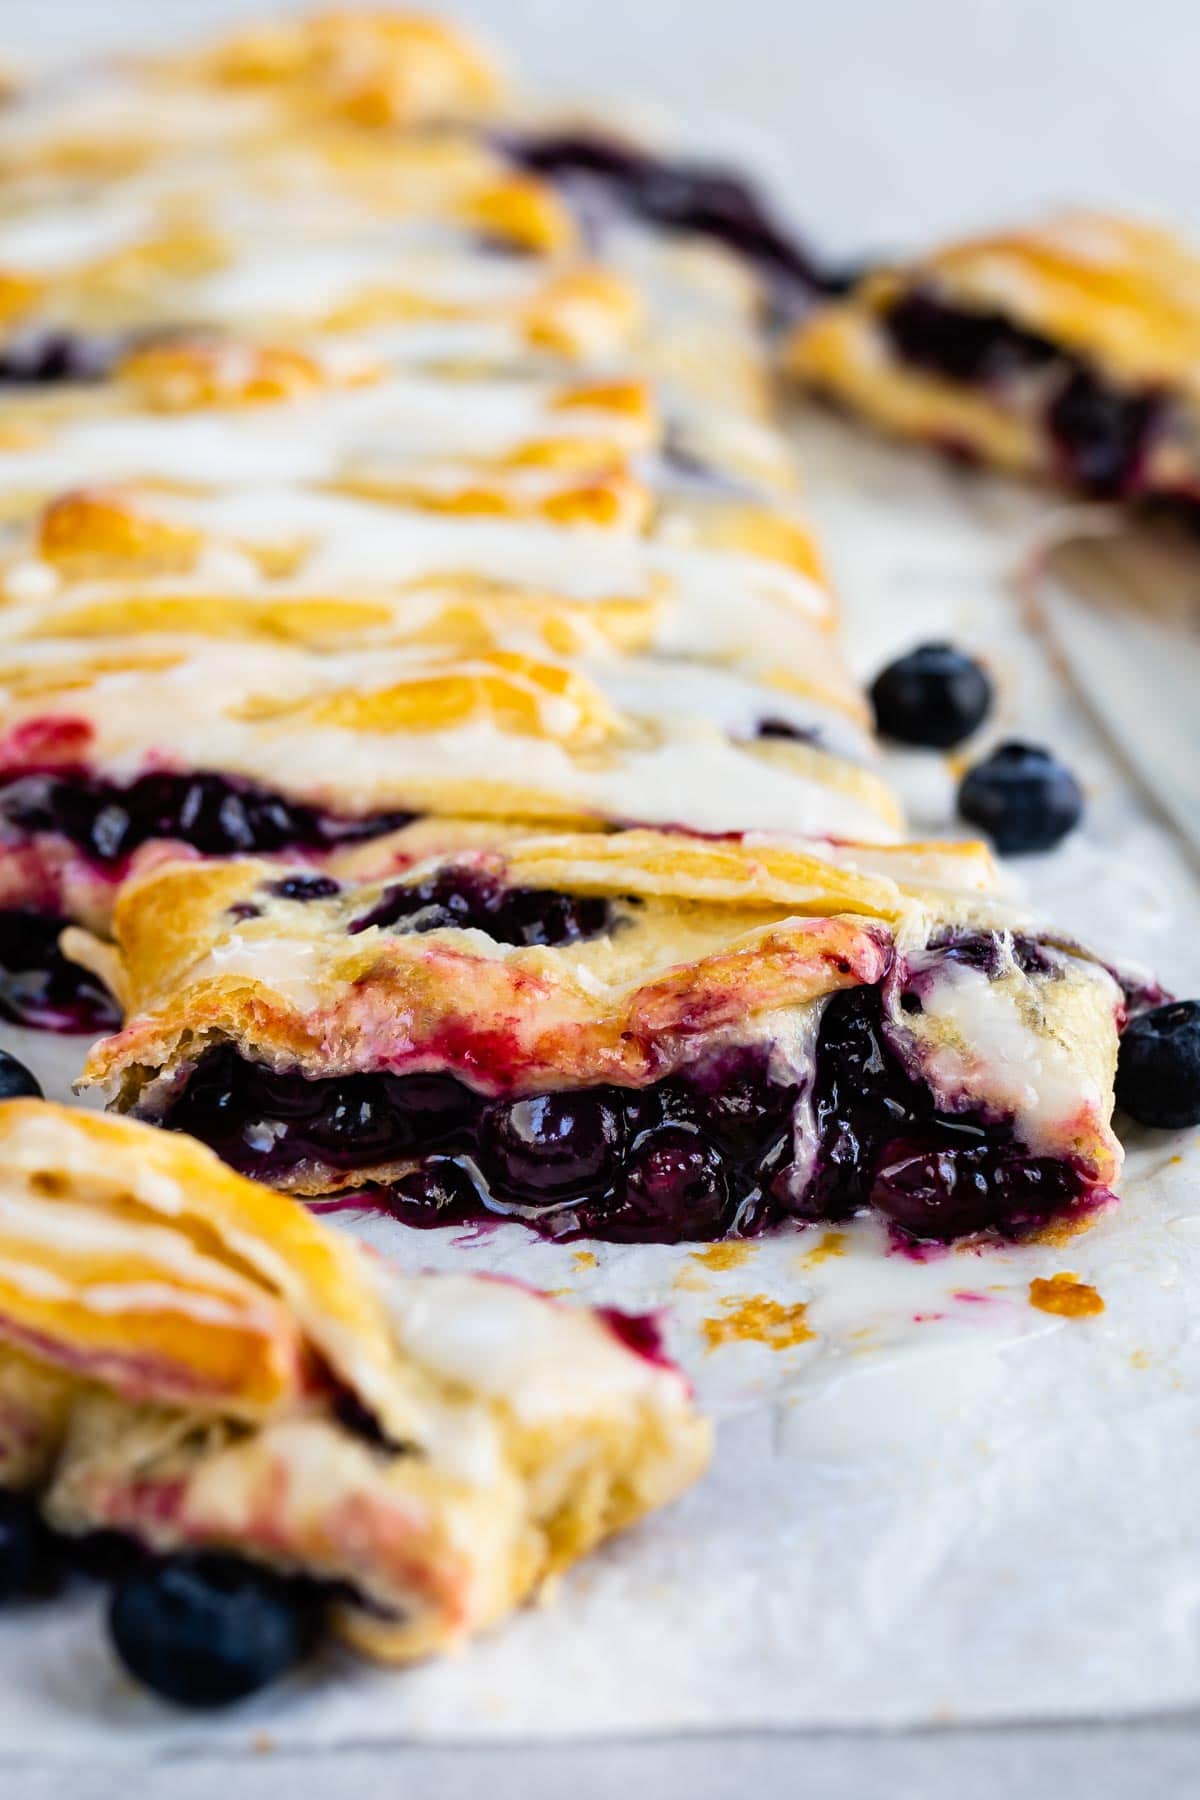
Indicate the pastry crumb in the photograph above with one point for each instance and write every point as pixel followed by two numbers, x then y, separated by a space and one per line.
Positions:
pixel 584 1259
pixel 1066 1295
pixel 758 1320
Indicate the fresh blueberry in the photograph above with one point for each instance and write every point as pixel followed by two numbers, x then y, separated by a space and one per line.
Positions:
pixel 16 1081
pixel 1022 797
pixel 40 988
pixel 99 1555
pixel 553 1145
pixel 204 1629
pixel 22 1541
pixel 1158 1071
pixel 934 696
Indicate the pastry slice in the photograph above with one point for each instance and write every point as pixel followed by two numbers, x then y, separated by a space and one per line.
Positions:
pixel 277 670
pixel 638 1036
pixel 195 1363
pixel 1068 350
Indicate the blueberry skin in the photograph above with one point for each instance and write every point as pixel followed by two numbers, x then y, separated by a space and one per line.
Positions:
pixel 935 696
pixel 16 1081
pixel 22 1541
pixel 204 1629
pixel 552 1146
pixel 1022 797
pixel 1158 1071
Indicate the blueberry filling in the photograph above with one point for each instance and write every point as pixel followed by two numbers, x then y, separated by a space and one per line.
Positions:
pixel 472 899
pixel 265 1122
pixel 881 1142
pixel 216 814
pixel 985 951
pixel 706 1155
pixel 976 347
pixel 42 356
pixel 304 888
pixel 40 988
pixel 783 728
pixel 557 1146
pixel 1101 434
pixel 677 196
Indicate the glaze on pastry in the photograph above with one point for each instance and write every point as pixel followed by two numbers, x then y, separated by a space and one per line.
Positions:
pixel 359 468
pixel 394 497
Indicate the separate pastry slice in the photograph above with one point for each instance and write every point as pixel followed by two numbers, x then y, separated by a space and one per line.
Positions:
pixel 195 1362
pixel 1068 350
pixel 635 1036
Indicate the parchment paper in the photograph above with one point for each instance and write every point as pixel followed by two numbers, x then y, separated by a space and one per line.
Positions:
pixel 930 1502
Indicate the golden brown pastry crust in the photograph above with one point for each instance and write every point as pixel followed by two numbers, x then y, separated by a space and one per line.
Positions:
pixel 709 943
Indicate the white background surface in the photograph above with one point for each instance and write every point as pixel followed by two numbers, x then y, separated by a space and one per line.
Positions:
pixel 883 121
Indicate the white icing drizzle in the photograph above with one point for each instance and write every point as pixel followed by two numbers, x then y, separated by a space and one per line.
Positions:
pixel 546 1362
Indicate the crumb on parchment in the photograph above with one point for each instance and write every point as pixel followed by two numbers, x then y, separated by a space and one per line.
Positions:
pixel 833 1243
pixel 729 1255
pixel 756 1319
pixel 1066 1295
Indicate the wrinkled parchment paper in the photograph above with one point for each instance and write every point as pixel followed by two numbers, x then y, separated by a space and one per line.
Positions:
pixel 931 1501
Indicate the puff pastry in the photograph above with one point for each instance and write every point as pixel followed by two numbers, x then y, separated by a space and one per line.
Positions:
pixel 1068 349
pixel 636 1035
pixel 193 1361
pixel 397 500
pixel 357 467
